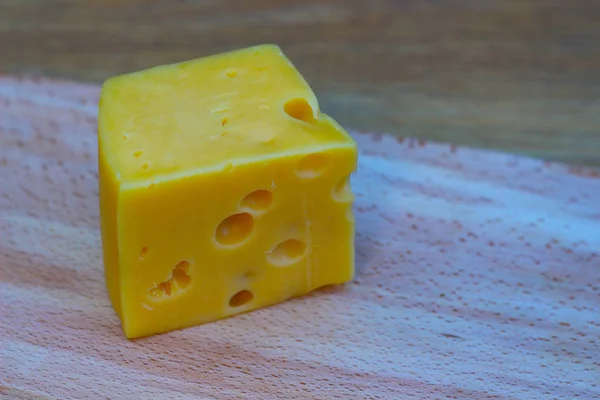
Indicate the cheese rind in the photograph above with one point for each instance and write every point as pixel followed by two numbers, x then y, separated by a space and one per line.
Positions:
pixel 198 224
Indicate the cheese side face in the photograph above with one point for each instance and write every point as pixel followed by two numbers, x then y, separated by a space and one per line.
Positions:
pixel 223 189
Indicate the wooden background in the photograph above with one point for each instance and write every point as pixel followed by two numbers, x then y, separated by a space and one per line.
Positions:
pixel 477 278
pixel 517 75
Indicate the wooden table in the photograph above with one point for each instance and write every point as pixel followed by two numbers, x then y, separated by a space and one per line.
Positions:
pixel 477 277
pixel 477 272
pixel 518 75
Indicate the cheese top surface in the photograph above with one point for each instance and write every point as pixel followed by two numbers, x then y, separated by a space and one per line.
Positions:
pixel 204 114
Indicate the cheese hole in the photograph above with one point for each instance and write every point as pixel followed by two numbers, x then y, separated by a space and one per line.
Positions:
pixel 342 191
pixel 240 298
pixel 161 290
pixel 224 121
pixel 179 280
pixel 234 229
pixel 137 153
pixel 287 252
pixel 312 165
pixel 165 287
pixel 143 252
pixel 145 166
pixel 259 200
pixel 230 73
pixel 180 274
pixel 299 109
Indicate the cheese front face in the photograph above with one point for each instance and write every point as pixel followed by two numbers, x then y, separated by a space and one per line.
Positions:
pixel 223 189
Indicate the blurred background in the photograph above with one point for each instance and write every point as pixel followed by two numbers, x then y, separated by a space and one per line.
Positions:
pixel 515 75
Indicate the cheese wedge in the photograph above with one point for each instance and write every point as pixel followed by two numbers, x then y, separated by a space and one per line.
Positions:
pixel 223 189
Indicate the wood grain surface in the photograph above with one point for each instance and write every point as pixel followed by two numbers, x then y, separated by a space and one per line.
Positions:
pixel 518 75
pixel 478 277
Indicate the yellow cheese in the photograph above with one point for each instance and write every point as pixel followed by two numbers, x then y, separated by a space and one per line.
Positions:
pixel 223 189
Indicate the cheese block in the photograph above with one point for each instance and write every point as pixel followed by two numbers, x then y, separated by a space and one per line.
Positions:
pixel 223 189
